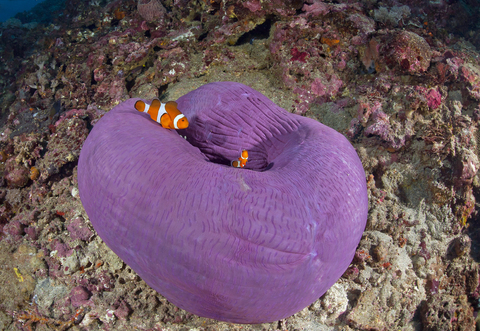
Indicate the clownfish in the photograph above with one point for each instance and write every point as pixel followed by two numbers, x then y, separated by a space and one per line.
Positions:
pixel 167 114
pixel 242 160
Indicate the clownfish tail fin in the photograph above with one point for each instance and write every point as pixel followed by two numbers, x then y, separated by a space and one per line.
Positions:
pixel 140 106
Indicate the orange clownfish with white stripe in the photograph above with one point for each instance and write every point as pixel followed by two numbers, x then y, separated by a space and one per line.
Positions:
pixel 167 114
pixel 242 160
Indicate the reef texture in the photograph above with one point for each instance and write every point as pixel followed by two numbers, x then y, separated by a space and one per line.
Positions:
pixel 245 245
pixel 399 79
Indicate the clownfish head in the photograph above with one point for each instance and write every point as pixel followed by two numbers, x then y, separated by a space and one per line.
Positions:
pixel 179 121
pixel 244 155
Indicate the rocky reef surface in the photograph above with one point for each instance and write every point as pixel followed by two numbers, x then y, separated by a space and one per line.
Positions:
pixel 400 79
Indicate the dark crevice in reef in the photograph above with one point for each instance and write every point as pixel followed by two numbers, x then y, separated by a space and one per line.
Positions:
pixel 92 79
pixel 56 174
pixel 109 61
pixel 377 175
pixel 202 36
pixel 473 230
pixel 91 27
pixel 129 84
pixel 163 96
pixel 261 31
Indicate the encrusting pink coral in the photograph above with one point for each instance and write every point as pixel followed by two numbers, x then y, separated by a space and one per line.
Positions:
pixel 409 52
pixel 151 10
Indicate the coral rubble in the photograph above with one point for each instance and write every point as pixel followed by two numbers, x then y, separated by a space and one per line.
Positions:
pixel 400 79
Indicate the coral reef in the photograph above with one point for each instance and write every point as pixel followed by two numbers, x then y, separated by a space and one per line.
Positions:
pixel 400 79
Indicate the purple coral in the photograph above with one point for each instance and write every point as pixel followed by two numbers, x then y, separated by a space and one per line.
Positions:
pixel 243 245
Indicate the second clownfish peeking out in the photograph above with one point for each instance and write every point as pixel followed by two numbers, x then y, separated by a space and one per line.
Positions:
pixel 167 114
pixel 242 160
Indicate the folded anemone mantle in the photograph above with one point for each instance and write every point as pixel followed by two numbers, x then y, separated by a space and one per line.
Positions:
pixel 245 245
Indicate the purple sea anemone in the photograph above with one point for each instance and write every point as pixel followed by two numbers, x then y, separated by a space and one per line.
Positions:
pixel 244 245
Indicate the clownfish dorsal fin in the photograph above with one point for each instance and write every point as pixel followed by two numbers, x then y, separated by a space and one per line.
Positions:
pixel 171 105
pixel 178 120
pixel 155 104
pixel 171 109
